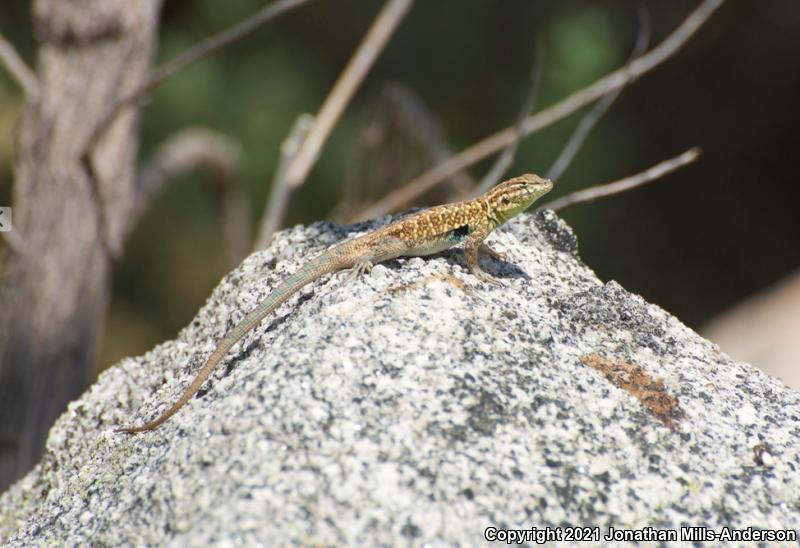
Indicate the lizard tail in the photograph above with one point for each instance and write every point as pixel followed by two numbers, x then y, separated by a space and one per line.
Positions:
pixel 324 264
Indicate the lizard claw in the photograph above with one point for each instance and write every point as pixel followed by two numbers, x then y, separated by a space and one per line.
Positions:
pixel 493 281
pixel 484 277
pixel 361 267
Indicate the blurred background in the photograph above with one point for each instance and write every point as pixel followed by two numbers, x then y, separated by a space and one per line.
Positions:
pixel 698 243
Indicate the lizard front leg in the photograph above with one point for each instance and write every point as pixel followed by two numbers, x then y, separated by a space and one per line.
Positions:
pixel 486 250
pixel 475 245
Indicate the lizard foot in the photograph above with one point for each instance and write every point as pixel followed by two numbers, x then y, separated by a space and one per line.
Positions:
pixel 361 267
pixel 484 277
pixel 485 249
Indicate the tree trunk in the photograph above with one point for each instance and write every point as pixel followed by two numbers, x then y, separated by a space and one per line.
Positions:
pixel 55 288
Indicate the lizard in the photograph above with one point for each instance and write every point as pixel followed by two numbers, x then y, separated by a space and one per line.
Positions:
pixel 422 233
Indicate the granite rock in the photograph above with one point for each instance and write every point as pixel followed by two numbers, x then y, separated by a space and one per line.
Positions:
pixel 417 405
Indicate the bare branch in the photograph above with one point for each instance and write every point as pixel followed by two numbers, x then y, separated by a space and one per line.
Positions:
pixel 399 137
pixel 233 210
pixel 220 157
pixel 578 137
pixel 18 69
pixel 622 185
pixel 203 49
pixel 216 43
pixel 300 149
pixel 620 77
pixel 279 197
pixel 419 121
pixel 589 121
pixel 506 158
pixel 184 151
pixel 353 74
pixel 195 53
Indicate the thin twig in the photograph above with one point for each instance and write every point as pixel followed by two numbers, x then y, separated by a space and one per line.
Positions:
pixel 296 164
pixel 621 185
pixel 18 69
pixel 201 50
pixel 353 74
pixel 233 209
pixel 220 157
pixel 399 136
pixel 506 158
pixel 183 152
pixel 578 137
pixel 418 120
pixel 193 54
pixel 279 197
pixel 589 121
pixel 620 77
pixel 217 42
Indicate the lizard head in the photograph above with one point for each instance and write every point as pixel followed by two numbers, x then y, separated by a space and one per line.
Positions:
pixel 514 196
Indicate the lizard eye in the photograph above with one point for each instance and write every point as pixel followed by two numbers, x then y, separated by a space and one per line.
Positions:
pixel 505 200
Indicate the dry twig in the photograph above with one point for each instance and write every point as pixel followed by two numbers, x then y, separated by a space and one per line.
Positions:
pixel 621 185
pixel 506 158
pixel 168 70
pixel 343 90
pixel 182 152
pixel 620 77
pixel 578 137
pixel 279 197
pixel 18 69
pixel 353 74
pixel 420 122
pixel 216 43
pixel 220 156
pixel 400 136
pixel 193 54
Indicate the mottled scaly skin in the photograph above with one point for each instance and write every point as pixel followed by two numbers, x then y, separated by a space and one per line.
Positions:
pixel 423 233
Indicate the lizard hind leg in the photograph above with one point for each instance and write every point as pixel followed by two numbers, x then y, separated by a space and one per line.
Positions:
pixel 363 266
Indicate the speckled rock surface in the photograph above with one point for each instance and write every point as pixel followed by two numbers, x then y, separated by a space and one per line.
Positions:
pixel 417 405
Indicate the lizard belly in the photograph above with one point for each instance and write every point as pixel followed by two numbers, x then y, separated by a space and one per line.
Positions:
pixel 429 249
pixel 440 242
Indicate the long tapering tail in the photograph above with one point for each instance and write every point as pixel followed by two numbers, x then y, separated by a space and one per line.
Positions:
pixel 324 264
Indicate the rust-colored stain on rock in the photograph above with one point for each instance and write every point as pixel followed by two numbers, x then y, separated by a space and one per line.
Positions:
pixel 649 390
